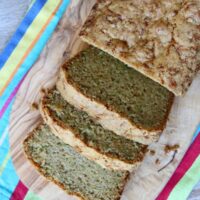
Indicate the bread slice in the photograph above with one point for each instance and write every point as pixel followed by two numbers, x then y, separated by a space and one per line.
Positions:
pixel 77 128
pixel 118 97
pixel 158 38
pixel 72 172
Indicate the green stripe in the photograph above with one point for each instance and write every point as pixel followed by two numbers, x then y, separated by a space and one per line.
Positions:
pixel 2 167
pixel 31 196
pixel 186 184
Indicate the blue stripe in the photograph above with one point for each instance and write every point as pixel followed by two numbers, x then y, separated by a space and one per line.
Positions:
pixel 32 57
pixel 4 149
pixel 9 180
pixel 4 193
pixel 196 132
pixel 32 13
pixel 4 121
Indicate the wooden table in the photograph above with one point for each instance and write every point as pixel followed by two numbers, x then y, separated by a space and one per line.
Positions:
pixel 11 13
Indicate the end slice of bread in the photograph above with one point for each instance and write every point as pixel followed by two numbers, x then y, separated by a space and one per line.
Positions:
pixel 72 172
pixel 119 98
pixel 77 129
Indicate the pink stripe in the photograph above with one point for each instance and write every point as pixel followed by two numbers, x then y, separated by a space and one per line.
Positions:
pixel 2 111
pixel 19 192
pixel 187 161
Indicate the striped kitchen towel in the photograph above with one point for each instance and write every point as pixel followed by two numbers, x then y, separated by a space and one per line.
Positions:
pixel 15 61
pixel 187 174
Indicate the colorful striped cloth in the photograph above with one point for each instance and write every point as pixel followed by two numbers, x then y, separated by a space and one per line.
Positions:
pixel 15 62
pixel 187 174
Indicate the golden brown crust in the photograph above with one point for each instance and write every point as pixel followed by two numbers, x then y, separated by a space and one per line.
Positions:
pixel 159 39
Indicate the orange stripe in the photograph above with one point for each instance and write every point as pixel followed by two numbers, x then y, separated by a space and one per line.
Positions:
pixel 30 48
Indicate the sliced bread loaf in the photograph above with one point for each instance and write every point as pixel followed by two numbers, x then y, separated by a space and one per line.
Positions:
pixel 77 128
pixel 118 97
pixel 75 174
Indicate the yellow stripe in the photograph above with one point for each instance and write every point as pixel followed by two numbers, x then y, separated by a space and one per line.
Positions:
pixel 2 167
pixel 25 43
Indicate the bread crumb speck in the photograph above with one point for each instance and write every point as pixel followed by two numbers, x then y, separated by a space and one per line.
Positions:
pixel 43 91
pixel 34 106
pixel 169 148
pixel 152 152
pixel 157 161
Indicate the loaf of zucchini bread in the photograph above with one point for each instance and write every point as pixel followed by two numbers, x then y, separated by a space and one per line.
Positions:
pixel 76 128
pixel 161 39
pixel 75 174
pixel 118 97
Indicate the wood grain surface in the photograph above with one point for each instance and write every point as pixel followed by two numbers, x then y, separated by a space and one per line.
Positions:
pixel 64 44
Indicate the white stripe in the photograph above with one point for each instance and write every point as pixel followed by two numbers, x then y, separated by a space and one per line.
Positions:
pixel 3 136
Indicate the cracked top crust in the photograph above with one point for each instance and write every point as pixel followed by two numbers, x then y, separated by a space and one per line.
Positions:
pixel 159 38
